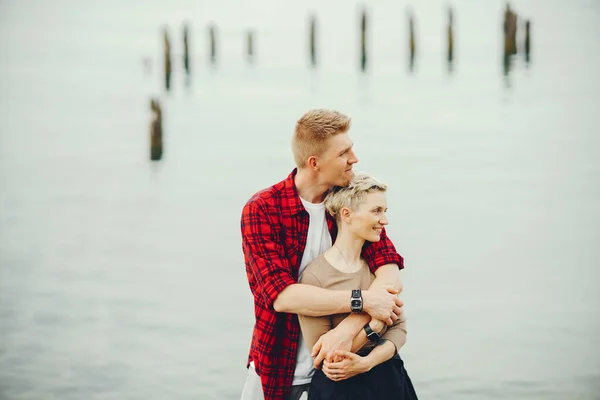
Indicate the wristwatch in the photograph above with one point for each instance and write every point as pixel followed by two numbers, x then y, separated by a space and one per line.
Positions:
pixel 356 301
pixel 371 334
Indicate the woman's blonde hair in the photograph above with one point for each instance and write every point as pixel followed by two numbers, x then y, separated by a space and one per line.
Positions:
pixel 312 131
pixel 353 195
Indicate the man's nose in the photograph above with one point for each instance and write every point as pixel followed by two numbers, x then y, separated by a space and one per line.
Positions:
pixel 353 159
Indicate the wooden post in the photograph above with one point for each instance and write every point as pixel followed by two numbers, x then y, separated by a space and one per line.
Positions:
pixel 527 39
pixel 250 43
pixel 186 53
pixel 156 144
pixel 510 32
pixel 363 41
pixel 313 27
pixel 213 46
pixel 450 36
pixel 411 24
pixel 167 57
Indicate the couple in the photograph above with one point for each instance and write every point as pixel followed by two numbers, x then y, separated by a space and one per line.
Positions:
pixel 323 280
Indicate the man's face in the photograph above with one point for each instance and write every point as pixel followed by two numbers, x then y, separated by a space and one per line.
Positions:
pixel 335 164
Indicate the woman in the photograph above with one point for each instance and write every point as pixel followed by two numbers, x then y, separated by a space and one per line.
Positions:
pixel 374 369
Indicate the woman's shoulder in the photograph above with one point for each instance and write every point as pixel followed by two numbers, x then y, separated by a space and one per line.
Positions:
pixel 316 265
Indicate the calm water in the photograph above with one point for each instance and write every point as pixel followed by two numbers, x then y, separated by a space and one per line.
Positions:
pixel 122 279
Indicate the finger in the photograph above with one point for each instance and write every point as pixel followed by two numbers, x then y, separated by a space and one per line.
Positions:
pixel 398 301
pixel 333 377
pixel 319 359
pixel 344 354
pixel 317 347
pixel 390 289
pixel 335 367
pixel 398 310
pixel 331 357
pixel 389 321
pixel 394 317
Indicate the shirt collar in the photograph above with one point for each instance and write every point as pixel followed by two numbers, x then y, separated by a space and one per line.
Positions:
pixel 290 195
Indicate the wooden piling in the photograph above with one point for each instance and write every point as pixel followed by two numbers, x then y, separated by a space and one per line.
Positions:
pixel 450 36
pixel 527 39
pixel 167 59
pixel 186 53
pixel 156 143
pixel 510 31
pixel 363 41
pixel 411 32
pixel 313 27
pixel 250 46
pixel 213 46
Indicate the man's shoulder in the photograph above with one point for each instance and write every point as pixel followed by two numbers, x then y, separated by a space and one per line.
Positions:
pixel 268 197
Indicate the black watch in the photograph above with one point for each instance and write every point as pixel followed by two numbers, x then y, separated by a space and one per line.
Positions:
pixel 371 334
pixel 356 301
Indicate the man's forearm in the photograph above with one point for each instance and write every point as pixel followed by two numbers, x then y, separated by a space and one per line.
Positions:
pixel 312 301
pixel 389 275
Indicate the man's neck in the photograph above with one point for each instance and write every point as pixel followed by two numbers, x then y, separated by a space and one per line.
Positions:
pixel 309 187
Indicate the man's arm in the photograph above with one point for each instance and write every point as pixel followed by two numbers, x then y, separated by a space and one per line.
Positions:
pixel 315 302
pixel 274 283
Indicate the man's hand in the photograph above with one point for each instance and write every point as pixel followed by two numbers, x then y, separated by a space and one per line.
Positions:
pixel 325 348
pixel 382 303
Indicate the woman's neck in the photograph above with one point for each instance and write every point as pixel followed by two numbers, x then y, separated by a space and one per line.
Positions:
pixel 346 252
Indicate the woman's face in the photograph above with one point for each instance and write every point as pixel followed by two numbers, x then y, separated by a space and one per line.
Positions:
pixel 369 218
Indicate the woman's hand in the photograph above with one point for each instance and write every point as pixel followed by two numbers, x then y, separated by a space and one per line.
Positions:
pixel 351 365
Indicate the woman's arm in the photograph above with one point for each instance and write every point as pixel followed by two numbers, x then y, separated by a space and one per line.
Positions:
pixel 313 327
pixel 361 337
pixel 353 364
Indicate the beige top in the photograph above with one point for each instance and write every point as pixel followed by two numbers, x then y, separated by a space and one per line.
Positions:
pixel 321 273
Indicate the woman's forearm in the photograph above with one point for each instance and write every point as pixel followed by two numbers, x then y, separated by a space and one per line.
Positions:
pixel 361 337
pixel 381 353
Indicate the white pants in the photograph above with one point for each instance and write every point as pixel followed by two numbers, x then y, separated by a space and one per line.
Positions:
pixel 252 387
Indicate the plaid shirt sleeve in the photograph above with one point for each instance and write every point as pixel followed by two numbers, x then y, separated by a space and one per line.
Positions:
pixel 381 253
pixel 268 269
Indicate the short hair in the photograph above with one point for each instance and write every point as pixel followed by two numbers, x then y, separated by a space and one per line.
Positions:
pixel 353 195
pixel 312 131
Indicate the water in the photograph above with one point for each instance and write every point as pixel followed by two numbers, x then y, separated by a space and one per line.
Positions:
pixel 123 279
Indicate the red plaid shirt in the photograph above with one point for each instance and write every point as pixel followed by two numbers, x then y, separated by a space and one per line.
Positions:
pixel 274 231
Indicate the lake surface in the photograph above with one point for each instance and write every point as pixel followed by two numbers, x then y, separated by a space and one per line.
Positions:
pixel 124 279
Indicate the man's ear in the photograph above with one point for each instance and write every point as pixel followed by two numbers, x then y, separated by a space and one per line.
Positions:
pixel 312 163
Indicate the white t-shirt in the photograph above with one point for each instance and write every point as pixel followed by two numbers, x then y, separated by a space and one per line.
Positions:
pixel 317 242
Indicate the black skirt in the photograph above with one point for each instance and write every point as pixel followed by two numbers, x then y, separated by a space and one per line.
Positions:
pixel 388 380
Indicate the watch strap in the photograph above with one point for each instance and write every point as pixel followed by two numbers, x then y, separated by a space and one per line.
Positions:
pixel 371 334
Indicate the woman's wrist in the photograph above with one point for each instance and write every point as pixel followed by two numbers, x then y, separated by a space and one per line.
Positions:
pixel 368 363
pixel 376 325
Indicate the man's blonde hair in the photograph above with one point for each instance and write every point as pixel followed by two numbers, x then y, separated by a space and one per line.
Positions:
pixel 312 131
pixel 353 195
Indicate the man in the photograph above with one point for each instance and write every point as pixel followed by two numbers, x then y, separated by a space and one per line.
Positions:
pixel 284 228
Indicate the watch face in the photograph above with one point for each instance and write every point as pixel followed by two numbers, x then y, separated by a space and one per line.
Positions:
pixel 355 303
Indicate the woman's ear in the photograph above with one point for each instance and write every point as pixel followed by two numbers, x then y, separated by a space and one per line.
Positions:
pixel 346 214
